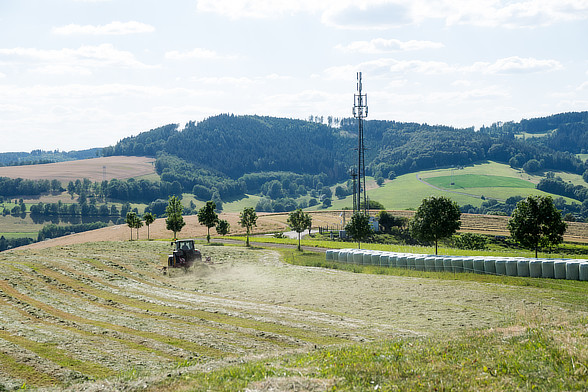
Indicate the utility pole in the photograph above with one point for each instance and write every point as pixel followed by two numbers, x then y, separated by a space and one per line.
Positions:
pixel 360 111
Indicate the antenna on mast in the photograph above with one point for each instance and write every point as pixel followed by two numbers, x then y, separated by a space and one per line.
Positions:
pixel 360 111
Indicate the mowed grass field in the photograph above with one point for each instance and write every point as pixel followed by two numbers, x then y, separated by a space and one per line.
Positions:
pixel 103 316
pixel 96 169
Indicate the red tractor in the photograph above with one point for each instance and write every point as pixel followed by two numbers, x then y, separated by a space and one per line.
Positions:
pixel 184 254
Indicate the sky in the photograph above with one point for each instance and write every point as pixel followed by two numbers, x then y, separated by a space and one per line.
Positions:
pixel 77 74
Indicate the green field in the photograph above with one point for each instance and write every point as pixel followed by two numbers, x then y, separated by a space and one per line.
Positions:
pixel 473 183
pixel 464 181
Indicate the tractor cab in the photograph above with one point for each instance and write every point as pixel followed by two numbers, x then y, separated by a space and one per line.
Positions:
pixel 184 254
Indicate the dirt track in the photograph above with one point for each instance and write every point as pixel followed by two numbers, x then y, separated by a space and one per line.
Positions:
pixel 104 310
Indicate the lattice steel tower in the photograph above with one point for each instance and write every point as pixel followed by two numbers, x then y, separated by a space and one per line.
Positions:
pixel 360 111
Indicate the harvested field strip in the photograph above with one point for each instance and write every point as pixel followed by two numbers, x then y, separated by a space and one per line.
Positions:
pixel 183 344
pixel 59 356
pixel 22 371
pixel 185 309
pixel 202 315
pixel 183 299
pixel 251 338
pixel 77 329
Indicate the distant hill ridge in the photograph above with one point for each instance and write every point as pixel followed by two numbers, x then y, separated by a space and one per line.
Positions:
pixel 234 145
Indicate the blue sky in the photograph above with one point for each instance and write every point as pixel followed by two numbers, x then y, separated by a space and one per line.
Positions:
pixel 77 74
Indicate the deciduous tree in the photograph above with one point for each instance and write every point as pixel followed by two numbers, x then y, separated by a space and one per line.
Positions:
pixel 149 218
pixel 536 223
pixel 208 217
pixel 174 221
pixel 359 228
pixel 436 218
pixel 299 221
pixel 223 227
pixel 248 219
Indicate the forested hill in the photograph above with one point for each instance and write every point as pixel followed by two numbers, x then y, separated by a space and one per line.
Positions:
pixel 223 151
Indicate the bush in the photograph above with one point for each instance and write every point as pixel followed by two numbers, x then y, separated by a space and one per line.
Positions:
pixel 470 241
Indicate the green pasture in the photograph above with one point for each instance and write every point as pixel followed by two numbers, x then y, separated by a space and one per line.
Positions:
pixel 490 180
pixel 464 181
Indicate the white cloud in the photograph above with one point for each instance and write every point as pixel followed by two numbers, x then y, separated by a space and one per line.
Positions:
pixel 80 60
pixel 381 14
pixel 114 28
pixel 516 64
pixel 381 45
pixel 196 53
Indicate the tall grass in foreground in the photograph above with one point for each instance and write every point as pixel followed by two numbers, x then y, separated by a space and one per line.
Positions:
pixel 532 355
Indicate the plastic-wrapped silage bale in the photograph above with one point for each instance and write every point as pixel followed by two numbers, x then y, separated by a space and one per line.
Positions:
pixel 430 263
pixel 419 263
pixel 329 255
pixel 490 265
pixel 523 267
pixel 448 264
pixel 367 257
pixel 411 261
pixel 479 265
pixel 573 270
pixel 547 269
pixel 457 264
pixel 401 260
pixel 468 264
pixel 439 263
pixel 559 269
pixel 358 256
pixel 342 255
pixel 511 267
pixel 393 259
pixel 385 259
pixel 584 271
pixel 535 268
pixel 500 266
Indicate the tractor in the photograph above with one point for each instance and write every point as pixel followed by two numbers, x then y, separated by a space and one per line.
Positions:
pixel 184 254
